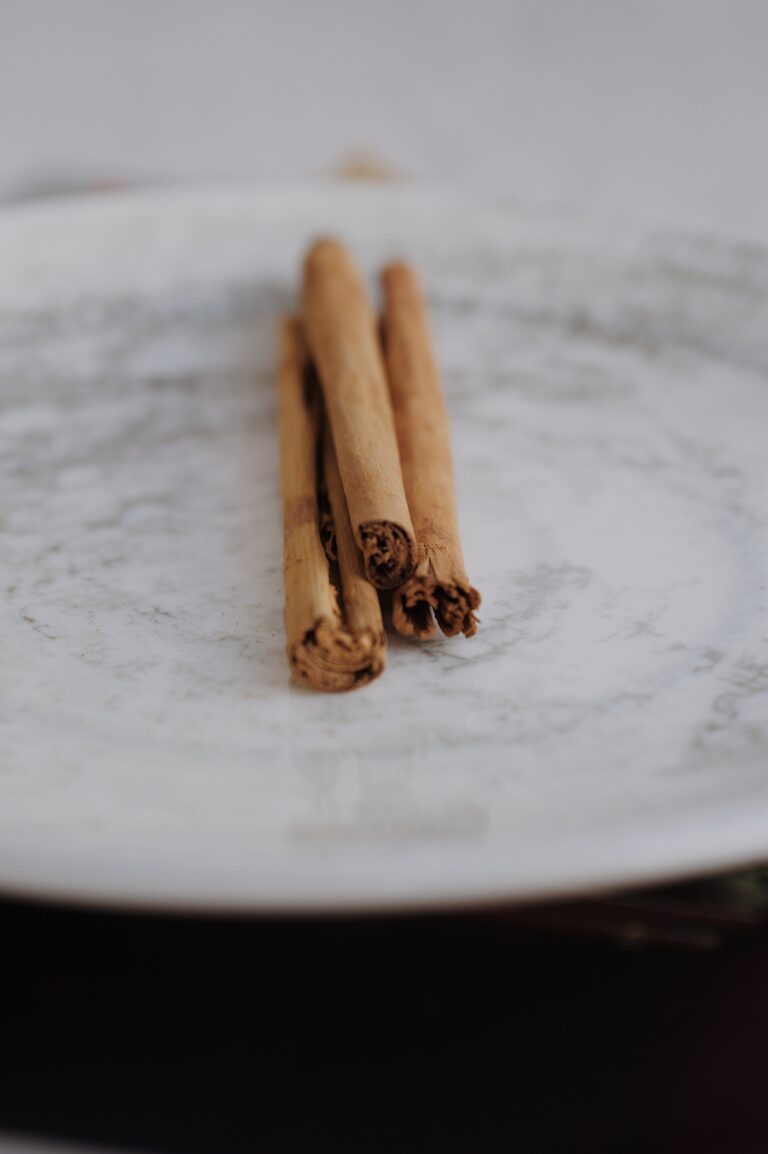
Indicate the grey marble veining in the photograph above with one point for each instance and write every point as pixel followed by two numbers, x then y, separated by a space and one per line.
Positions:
pixel 609 400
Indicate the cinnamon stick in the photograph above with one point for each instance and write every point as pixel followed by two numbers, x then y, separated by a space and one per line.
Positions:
pixel 323 650
pixel 362 612
pixel 439 583
pixel 342 339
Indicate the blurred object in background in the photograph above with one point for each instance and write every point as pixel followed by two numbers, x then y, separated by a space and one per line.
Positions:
pixel 698 915
pixel 365 166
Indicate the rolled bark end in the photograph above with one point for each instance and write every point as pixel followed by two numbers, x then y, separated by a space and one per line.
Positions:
pixel 455 607
pixel 389 553
pixel 452 603
pixel 412 611
pixel 332 659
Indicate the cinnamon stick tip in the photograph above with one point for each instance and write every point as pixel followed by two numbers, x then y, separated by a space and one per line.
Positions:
pixel 389 551
pixel 413 618
pixel 325 248
pixel 455 607
pixel 452 603
pixel 330 658
pixel 399 276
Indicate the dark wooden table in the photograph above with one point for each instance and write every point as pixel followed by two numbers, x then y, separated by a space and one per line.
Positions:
pixel 482 1033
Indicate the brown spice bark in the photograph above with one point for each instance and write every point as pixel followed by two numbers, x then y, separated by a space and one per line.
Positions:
pixel 362 612
pixel 324 651
pixel 342 338
pixel 439 583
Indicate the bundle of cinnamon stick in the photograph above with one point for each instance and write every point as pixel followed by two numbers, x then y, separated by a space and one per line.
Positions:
pixel 368 494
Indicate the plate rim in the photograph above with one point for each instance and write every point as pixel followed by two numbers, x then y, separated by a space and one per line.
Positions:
pixel 744 844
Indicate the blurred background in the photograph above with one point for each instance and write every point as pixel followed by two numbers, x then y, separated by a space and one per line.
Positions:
pixel 639 106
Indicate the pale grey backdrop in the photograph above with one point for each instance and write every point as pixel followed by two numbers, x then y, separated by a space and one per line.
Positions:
pixel 656 106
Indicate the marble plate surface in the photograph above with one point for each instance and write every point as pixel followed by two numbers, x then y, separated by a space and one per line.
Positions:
pixel 608 386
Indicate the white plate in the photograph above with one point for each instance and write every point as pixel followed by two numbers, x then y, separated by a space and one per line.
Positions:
pixel 608 724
